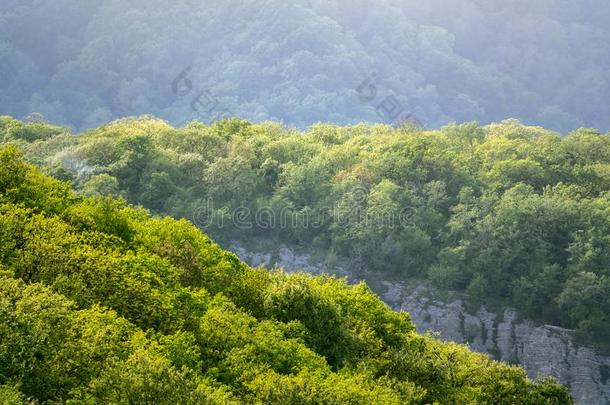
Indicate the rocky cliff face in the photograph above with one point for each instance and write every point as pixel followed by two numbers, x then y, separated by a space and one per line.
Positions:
pixel 540 349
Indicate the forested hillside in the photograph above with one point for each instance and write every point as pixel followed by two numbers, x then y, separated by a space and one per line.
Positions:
pixel 513 215
pixel 84 63
pixel 102 303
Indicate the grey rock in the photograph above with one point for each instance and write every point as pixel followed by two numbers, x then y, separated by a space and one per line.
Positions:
pixel 543 350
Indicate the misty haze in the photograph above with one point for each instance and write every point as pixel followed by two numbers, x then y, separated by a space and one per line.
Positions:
pixel 84 63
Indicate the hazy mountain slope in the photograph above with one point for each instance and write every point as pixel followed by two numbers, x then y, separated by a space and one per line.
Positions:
pixel 301 62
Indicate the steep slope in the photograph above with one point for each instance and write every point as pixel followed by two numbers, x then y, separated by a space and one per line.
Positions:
pixel 100 302
pixel 504 335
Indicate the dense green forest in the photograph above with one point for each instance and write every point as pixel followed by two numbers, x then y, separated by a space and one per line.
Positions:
pixel 85 63
pixel 513 215
pixel 100 302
